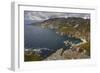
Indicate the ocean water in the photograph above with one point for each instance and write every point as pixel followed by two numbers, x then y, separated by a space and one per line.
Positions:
pixel 37 37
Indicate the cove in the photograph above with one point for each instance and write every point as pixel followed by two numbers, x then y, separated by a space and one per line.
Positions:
pixel 37 37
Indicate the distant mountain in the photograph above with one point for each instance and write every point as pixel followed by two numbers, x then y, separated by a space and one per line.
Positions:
pixel 59 22
pixel 66 21
pixel 73 26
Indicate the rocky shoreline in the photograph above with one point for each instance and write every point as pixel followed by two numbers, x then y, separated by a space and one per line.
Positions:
pixel 68 54
pixel 72 53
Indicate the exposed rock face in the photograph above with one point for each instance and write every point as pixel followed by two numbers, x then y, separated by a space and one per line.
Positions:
pixel 56 55
pixel 68 54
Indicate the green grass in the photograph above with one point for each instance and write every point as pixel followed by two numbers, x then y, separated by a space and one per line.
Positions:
pixel 32 57
pixel 86 46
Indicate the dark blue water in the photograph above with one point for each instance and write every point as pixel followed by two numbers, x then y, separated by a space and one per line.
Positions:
pixel 37 37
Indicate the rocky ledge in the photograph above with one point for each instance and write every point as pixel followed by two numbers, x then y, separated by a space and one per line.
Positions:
pixel 72 53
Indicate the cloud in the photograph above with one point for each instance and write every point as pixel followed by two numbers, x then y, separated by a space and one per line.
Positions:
pixel 37 15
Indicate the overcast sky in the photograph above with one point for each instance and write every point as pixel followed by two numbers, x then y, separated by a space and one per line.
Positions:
pixel 38 15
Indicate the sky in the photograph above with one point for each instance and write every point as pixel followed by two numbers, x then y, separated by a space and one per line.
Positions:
pixel 39 15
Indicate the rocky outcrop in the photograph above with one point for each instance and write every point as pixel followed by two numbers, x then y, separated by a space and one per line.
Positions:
pixel 68 54
pixel 73 53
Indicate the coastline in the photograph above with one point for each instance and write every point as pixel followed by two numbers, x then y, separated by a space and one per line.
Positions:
pixel 72 53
